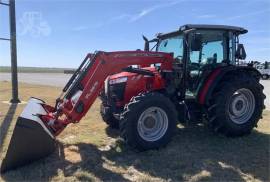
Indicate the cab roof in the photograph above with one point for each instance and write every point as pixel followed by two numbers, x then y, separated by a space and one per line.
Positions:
pixel 234 29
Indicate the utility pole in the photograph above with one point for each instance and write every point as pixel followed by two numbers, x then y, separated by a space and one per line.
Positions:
pixel 13 49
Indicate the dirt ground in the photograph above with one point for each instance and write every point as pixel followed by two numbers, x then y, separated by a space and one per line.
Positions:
pixel 89 151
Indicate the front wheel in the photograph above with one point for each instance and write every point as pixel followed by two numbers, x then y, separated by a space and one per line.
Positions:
pixel 148 121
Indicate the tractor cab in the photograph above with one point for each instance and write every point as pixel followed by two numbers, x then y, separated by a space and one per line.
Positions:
pixel 199 49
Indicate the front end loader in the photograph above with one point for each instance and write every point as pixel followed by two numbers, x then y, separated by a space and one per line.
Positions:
pixel 189 75
pixel 38 125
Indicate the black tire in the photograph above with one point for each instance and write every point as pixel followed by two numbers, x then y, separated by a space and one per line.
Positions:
pixel 130 118
pixel 107 116
pixel 219 118
pixel 265 77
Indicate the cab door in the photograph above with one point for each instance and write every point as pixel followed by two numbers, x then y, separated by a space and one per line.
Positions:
pixel 208 49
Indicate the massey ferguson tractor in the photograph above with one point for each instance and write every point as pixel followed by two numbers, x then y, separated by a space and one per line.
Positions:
pixel 189 75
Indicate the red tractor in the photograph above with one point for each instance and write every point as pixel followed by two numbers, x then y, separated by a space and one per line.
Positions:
pixel 189 75
pixel 205 84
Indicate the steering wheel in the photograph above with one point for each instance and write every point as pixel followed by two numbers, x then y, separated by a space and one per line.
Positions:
pixel 194 66
pixel 180 58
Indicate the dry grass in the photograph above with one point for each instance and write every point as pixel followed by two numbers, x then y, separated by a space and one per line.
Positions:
pixel 89 151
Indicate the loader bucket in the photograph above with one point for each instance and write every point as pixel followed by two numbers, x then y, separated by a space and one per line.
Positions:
pixel 31 139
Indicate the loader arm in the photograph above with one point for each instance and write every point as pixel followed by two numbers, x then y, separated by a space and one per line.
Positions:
pixel 80 93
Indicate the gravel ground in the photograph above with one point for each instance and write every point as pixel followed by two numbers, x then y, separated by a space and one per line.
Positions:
pixel 59 79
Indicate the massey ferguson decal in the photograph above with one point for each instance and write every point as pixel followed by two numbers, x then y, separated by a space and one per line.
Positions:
pixel 142 54
pixel 93 88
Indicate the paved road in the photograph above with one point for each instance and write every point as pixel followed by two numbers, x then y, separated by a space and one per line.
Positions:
pixel 51 79
pixel 59 79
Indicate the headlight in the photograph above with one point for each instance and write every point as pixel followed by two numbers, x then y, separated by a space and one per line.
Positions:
pixel 118 80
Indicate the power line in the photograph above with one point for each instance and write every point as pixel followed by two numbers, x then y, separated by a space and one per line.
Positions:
pixel 5 4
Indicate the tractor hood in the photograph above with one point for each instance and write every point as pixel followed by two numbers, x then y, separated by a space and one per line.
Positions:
pixel 129 74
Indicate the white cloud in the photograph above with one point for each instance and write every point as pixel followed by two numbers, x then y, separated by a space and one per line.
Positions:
pixel 144 12
pixel 131 17
pixel 120 17
pixel 111 20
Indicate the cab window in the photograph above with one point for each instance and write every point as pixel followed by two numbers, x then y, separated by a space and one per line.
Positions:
pixel 172 45
pixel 213 49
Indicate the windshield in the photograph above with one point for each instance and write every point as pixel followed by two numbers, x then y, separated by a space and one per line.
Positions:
pixel 172 45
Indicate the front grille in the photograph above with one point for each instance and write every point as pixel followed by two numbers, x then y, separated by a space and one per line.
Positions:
pixel 116 91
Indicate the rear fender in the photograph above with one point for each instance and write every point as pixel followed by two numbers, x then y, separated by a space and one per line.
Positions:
pixel 214 78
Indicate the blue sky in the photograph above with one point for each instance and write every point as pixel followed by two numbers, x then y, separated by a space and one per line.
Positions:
pixel 60 33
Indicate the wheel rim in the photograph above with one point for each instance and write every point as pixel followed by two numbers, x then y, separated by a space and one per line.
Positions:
pixel 241 106
pixel 152 124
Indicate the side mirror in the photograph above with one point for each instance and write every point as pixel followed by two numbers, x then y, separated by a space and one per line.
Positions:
pixel 196 42
pixel 266 65
pixel 146 43
pixel 240 52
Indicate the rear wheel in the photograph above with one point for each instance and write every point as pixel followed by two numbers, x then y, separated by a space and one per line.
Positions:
pixel 107 116
pixel 148 121
pixel 236 107
pixel 265 77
